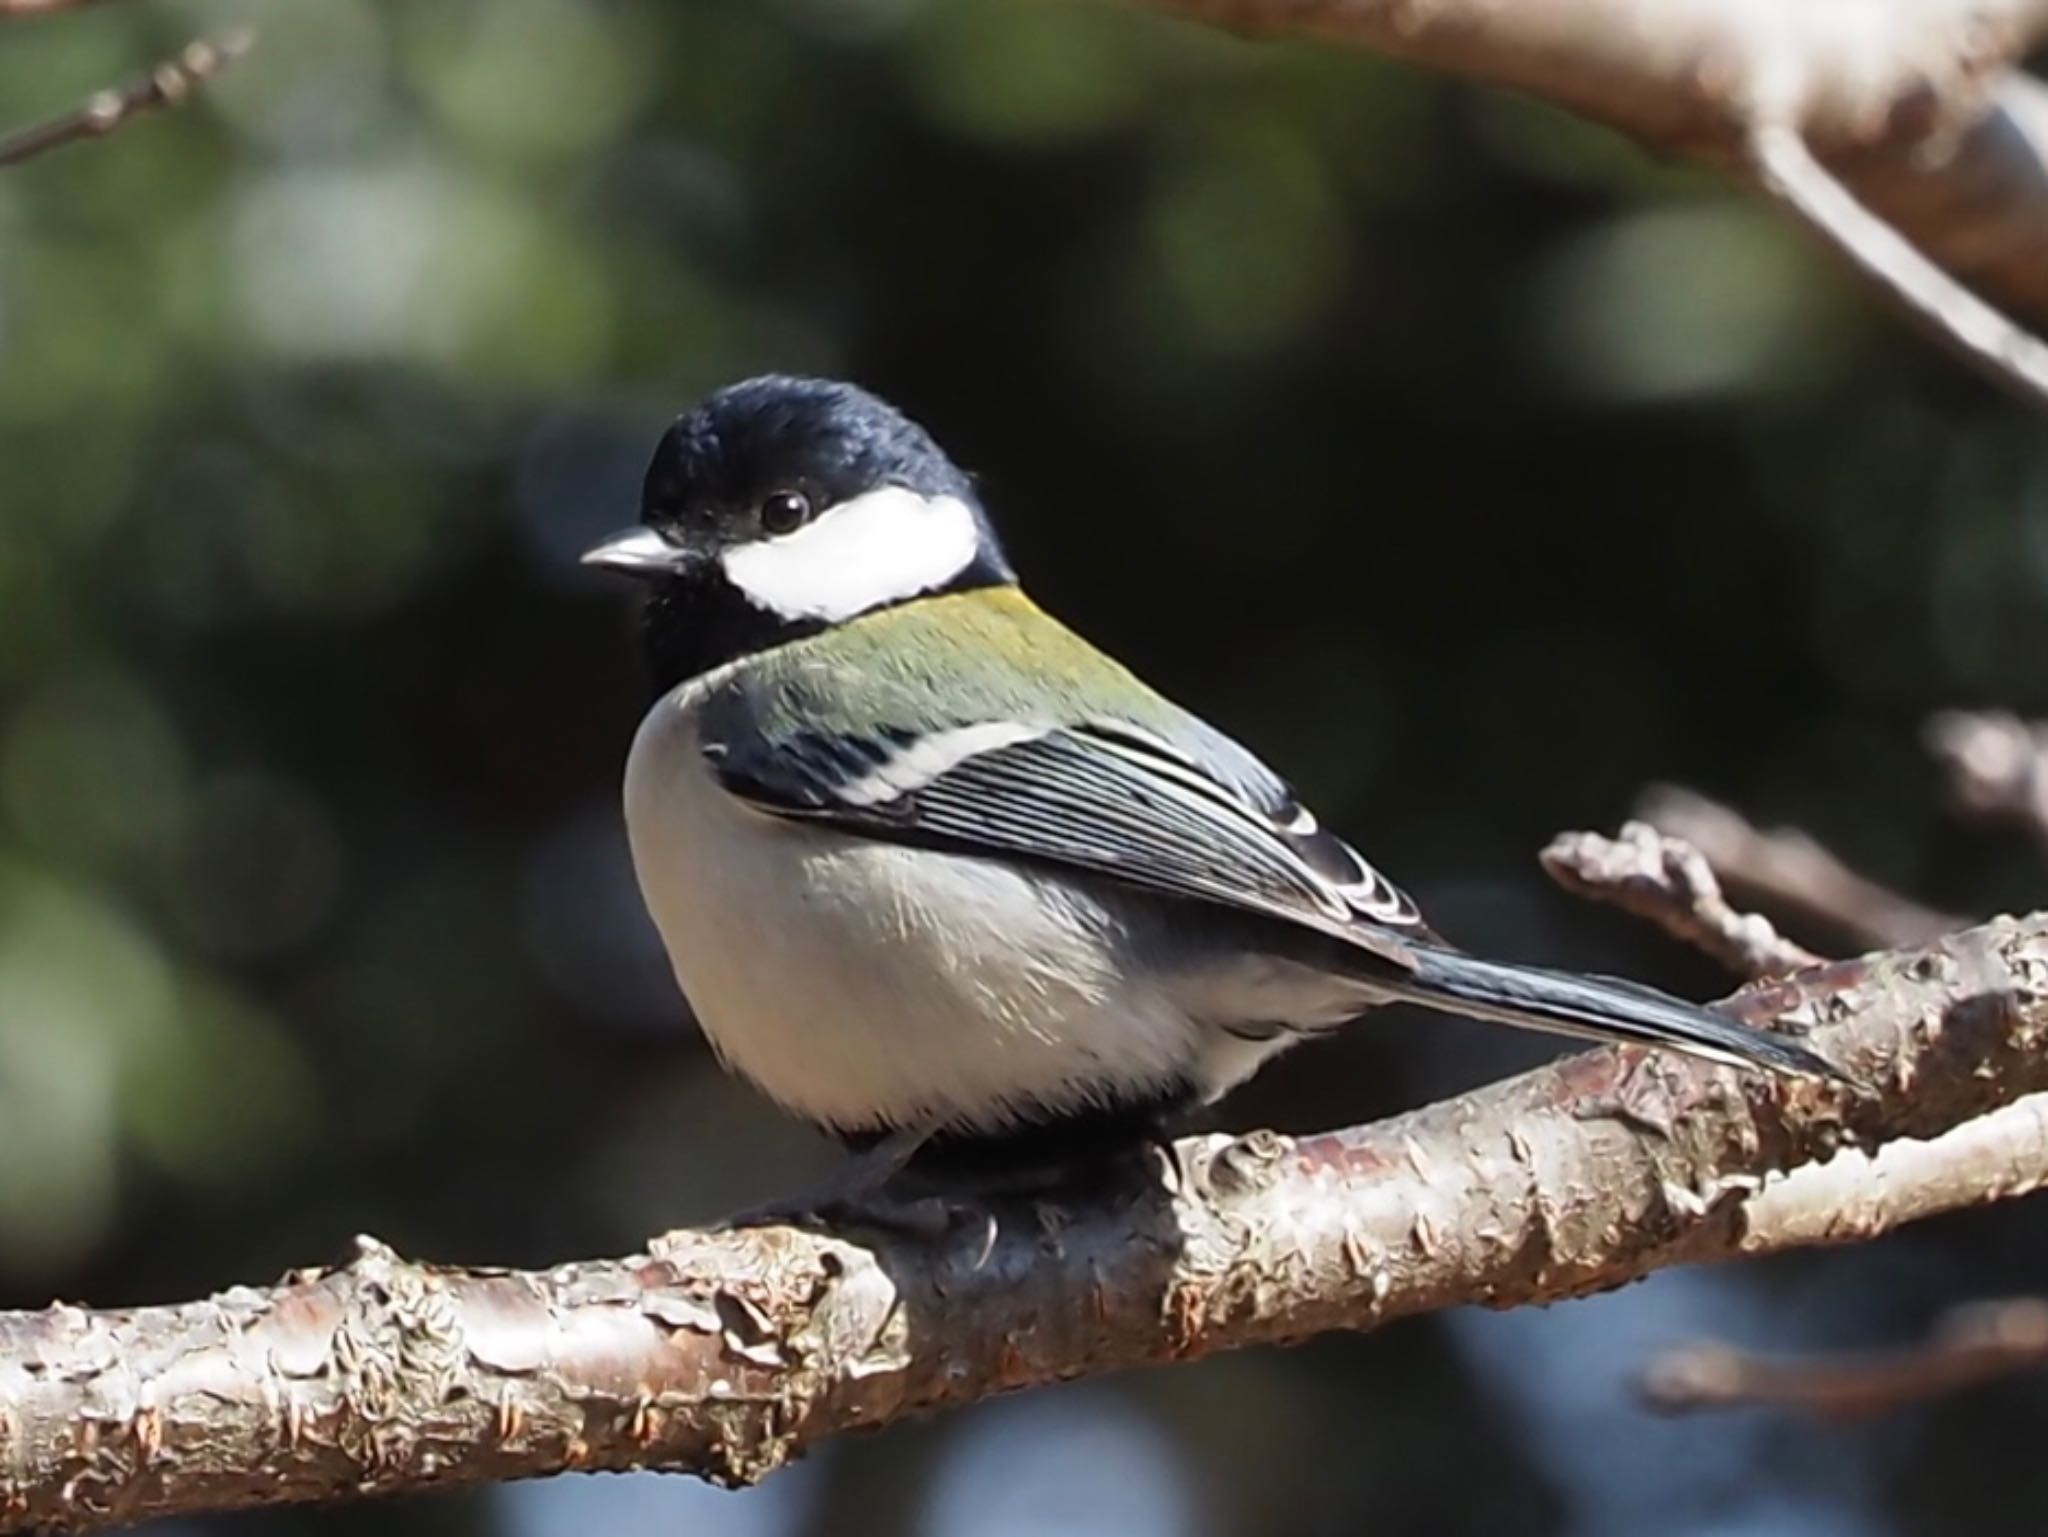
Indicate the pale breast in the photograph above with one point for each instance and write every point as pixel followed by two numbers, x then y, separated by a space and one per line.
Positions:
pixel 862 983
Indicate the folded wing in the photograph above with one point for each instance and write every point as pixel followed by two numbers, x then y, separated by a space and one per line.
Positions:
pixel 1098 797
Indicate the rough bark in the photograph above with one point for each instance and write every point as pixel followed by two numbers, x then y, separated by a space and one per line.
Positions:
pixel 727 1353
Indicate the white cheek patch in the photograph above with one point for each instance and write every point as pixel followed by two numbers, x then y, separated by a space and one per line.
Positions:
pixel 928 757
pixel 879 548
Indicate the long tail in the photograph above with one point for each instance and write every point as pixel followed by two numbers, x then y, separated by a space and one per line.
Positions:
pixel 1599 1009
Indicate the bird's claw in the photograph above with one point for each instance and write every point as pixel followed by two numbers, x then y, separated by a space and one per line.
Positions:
pixel 927 1217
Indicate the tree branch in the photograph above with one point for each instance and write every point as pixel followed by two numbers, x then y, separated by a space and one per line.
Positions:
pixel 165 86
pixel 1857 1196
pixel 1787 871
pixel 1854 1196
pixel 1671 884
pixel 1917 112
pixel 726 1353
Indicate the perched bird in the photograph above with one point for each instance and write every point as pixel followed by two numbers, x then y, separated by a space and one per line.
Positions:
pixel 932 870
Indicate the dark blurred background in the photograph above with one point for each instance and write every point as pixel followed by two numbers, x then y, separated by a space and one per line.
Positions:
pixel 1471 465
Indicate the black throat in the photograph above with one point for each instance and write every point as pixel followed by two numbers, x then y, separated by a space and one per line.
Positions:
pixel 699 621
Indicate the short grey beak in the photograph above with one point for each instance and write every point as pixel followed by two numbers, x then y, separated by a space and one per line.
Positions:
pixel 635 552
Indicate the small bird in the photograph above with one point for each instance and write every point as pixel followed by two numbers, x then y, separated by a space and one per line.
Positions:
pixel 937 874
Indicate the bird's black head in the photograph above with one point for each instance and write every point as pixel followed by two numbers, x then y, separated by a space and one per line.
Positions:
pixel 781 506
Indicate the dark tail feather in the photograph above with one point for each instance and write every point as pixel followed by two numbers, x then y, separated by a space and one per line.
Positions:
pixel 1599 1009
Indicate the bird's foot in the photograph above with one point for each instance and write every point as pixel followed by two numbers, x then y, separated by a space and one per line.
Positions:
pixel 873 1190
pixel 912 1212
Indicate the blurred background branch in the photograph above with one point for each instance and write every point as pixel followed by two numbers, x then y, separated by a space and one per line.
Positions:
pixel 725 1353
pixel 12 9
pixel 1974 1344
pixel 1892 130
pixel 1997 767
pixel 164 86
pixel 2004 352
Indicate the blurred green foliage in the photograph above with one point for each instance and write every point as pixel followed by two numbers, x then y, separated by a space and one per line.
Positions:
pixel 1472 465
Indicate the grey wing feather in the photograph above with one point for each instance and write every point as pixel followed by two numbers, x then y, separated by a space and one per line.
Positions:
pixel 1104 798
pixel 1231 774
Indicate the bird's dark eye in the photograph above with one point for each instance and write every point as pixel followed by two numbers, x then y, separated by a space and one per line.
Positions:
pixel 785 512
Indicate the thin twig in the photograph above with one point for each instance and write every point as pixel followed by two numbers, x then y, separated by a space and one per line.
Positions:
pixel 1997 766
pixel 1973 1345
pixel 2005 352
pixel 165 86
pixel 1669 882
pixel 14 10
pixel 1785 870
